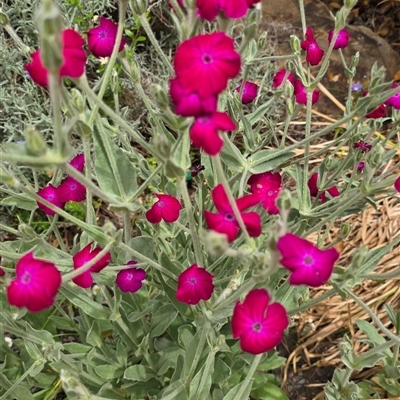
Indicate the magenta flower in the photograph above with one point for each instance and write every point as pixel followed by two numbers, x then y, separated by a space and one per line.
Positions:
pixel 209 9
pixel 190 104
pixel 35 285
pixel 397 184
pixel 130 280
pixel 250 90
pixel 394 100
pixel 300 93
pixel 51 194
pixel 74 59
pixel 78 162
pixel 312 185
pixel 281 77
pixel 308 264
pixel 267 187
pixel 379 112
pixel 101 40
pixel 224 220
pixel 71 190
pixel 258 323
pixel 82 257
pixel 204 131
pixel 2 272
pixel 194 284
pixel 314 53
pixel 205 63
pixel 342 39
pixel 362 146
pixel 167 208
pixel 360 166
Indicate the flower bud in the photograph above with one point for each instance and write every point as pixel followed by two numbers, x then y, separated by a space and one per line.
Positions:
pixel 295 45
pixel 78 100
pixel 284 200
pixel 377 156
pixel 216 243
pixel 109 228
pixel 139 7
pixel 160 96
pixel 6 177
pixel 4 20
pixel 163 147
pixel 27 232
pixel 35 143
pixel 50 26
pixel 345 230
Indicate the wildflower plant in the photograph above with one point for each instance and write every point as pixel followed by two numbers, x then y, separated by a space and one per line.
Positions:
pixel 190 294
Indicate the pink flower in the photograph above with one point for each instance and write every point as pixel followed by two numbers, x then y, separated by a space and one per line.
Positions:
pixel 250 90
pixel 342 39
pixel 51 194
pixel 167 208
pixel 2 272
pixel 71 190
pixel 224 220
pixel 130 280
pixel 312 185
pixel 194 284
pixel 314 53
pixel 258 323
pixel 308 264
pixel 74 59
pixel 205 63
pixel 361 166
pixel 35 285
pixel 281 77
pixel 379 112
pixel 78 162
pixel 190 104
pixel 82 257
pixel 209 9
pixel 397 184
pixel 267 187
pixel 362 146
pixel 394 100
pixel 300 93
pixel 101 39
pixel 204 131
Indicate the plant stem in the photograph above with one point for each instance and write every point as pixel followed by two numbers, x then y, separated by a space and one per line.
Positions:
pixel 123 5
pixel 374 318
pixel 313 302
pixel 192 223
pixel 302 16
pixel 222 179
pixel 249 376
pixel 149 32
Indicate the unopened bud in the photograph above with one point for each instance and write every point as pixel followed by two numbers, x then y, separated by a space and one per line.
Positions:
pixel 109 228
pixel 27 232
pixel 295 44
pixel 262 40
pixel 35 143
pixel 50 26
pixel 78 100
pixel 4 20
pixel 139 7
pixel 163 147
pixel 216 243
pixel 160 96
pixel 284 200
pixel 377 156
pixel 345 229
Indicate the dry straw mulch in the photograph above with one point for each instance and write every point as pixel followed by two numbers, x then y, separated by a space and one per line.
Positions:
pixel 328 322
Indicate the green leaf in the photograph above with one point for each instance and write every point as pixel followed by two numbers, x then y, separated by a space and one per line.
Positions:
pixel 108 371
pixel 373 335
pixel 221 371
pixel 80 299
pixel 110 161
pixel 264 161
pixel 171 294
pixel 260 112
pixel 175 391
pixel 232 157
pixel 289 295
pixel 272 361
pixel 182 152
pixel 162 319
pixel 233 393
pixel 143 245
pixel 75 348
pixel 19 201
pixel 269 392
pixel 201 384
pixel 139 373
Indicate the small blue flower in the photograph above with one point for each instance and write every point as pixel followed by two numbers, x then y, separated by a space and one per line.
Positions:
pixel 356 87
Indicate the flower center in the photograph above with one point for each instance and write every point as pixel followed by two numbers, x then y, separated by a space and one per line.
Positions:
pixel 103 35
pixel 207 59
pixel 160 204
pixel 26 278
pixel 308 260
pixel 229 217
pixel 129 277
pixel 192 281
pixel 256 327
